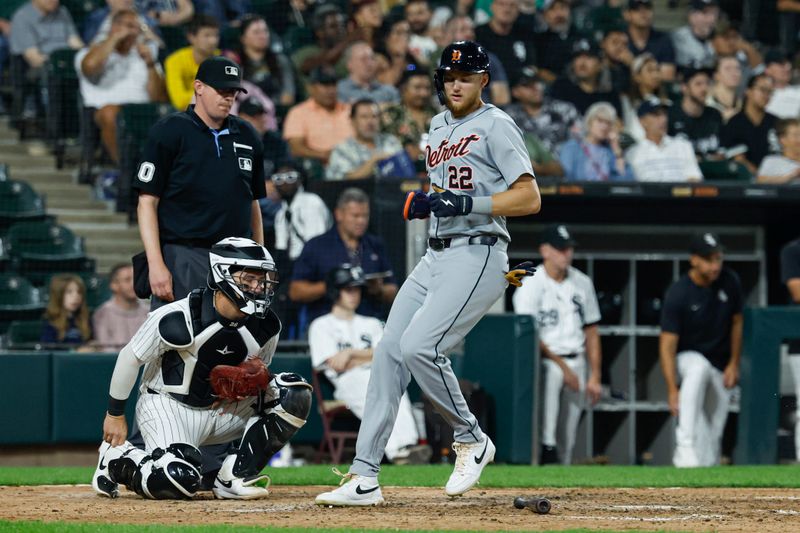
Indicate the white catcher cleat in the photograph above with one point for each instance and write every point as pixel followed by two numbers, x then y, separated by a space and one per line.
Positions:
pixel 354 490
pixel 101 480
pixel 229 487
pixel 470 460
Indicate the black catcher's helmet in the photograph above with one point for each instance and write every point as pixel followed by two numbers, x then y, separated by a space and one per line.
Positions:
pixel 465 56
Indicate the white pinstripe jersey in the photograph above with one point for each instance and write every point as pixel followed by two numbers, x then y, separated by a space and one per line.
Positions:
pixel 183 372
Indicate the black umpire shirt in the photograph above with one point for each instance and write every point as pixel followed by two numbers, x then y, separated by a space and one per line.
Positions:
pixel 701 316
pixel 206 180
pixel 790 269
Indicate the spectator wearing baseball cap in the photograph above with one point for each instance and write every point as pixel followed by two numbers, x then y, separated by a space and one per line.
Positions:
pixel 507 37
pixel 642 37
pixel 554 41
pixel 586 81
pixel 700 348
pixel 753 128
pixel 312 128
pixel 692 42
pixel 692 119
pixel 659 157
pixel 785 101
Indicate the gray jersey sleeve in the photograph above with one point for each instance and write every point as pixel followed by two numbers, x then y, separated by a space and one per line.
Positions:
pixel 507 149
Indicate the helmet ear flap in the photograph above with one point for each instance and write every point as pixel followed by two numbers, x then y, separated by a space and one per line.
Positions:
pixel 438 83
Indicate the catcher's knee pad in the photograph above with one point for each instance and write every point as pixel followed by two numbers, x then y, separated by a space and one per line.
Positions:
pixel 164 474
pixel 267 433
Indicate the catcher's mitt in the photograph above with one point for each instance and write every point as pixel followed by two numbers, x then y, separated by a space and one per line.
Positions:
pixel 240 381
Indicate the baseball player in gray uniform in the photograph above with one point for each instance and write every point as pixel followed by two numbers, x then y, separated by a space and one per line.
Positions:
pixel 481 173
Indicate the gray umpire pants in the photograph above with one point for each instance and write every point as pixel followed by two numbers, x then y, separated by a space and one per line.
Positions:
pixel 189 268
pixel 448 292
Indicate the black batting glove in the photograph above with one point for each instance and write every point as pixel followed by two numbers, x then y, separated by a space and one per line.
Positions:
pixel 448 204
pixel 522 270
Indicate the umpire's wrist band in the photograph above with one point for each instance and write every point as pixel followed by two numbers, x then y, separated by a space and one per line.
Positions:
pixel 116 407
pixel 482 205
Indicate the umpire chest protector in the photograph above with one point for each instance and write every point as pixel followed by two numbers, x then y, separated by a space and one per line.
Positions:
pixel 200 339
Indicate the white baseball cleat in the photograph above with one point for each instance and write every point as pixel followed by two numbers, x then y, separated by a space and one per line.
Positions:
pixel 470 460
pixel 353 490
pixel 229 487
pixel 101 480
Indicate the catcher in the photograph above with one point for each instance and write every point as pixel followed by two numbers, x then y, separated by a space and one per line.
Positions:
pixel 205 381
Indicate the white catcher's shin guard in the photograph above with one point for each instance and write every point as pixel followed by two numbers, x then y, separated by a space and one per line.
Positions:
pixel 228 486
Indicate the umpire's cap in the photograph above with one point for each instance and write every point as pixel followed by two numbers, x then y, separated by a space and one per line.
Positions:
pixel 463 56
pixel 220 73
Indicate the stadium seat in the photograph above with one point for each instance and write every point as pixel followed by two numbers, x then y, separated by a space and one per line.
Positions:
pixel 727 170
pixel 331 411
pixel 24 334
pixel 296 38
pixel 133 124
pixel 174 38
pixel 19 300
pixel 40 248
pixel 80 9
pixel 62 119
pixel 19 203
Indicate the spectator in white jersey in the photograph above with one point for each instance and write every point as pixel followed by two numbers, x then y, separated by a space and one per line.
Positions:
pixel 342 344
pixel 659 157
pixel 563 302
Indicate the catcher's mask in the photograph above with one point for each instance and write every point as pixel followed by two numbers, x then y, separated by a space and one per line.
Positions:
pixel 245 272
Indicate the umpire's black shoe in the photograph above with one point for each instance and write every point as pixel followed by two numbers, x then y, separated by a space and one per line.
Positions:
pixel 549 455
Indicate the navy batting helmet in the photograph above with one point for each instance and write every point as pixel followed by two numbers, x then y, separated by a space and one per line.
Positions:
pixel 344 276
pixel 464 56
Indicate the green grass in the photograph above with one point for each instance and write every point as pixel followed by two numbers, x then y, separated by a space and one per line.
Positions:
pixel 63 527
pixel 495 476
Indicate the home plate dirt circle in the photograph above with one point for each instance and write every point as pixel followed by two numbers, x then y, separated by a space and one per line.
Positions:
pixel 674 509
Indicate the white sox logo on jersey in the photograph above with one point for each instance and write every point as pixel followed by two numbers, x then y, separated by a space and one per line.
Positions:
pixel 447 151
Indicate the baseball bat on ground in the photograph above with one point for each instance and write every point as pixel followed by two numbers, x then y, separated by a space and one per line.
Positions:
pixel 537 505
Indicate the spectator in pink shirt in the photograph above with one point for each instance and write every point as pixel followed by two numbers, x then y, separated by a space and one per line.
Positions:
pixel 117 320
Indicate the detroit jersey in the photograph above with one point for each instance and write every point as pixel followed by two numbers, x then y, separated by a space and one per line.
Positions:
pixel 481 154
pixel 183 372
pixel 561 310
pixel 328 335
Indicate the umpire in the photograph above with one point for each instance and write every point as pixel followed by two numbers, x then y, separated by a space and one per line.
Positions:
pixel 199 181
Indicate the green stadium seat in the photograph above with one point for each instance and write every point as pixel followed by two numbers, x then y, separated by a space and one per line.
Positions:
pixel 24 334
pixel 38 249
pixel 727 170
pixel 19 300
pixel 18 203
pixel 62 118
pixel 80 9
pixel 265 8
pixel 8 7
pixel 296 38
pixel 229 38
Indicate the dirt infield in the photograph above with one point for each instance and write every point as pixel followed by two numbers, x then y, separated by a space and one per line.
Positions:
pixel 678 509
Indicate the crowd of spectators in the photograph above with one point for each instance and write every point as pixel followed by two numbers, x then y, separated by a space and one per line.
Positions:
pixel 309 63
pixel 344 91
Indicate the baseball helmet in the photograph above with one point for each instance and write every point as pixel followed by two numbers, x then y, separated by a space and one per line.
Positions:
pixel 464 56
pixel 233 254
pixel 344 276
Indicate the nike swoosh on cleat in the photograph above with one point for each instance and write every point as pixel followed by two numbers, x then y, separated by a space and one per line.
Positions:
pixel 102 464
pixel 226 484
pixel 359 490
pixel 479 458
